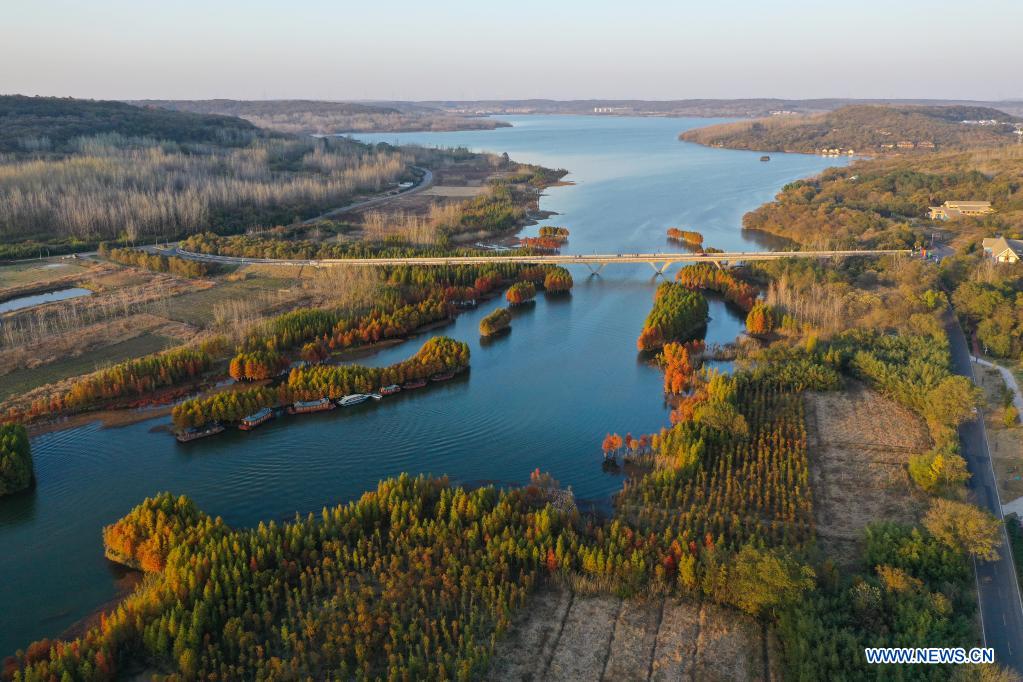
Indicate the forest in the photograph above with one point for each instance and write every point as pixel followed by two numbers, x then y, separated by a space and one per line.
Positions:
pixel 325 118
pixel 151 173
pixel 866 129
pixel 883 203
pixel 54 124
pixel 16 472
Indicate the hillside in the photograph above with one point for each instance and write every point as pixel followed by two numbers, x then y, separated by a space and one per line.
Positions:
pixel 319 117
pixel 882 203
pixel 33 124
pixel 865 129
pixel 74 172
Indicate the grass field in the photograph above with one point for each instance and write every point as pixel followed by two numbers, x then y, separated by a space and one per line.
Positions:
pixel 23 380
pixel 199 307
pixel 25 274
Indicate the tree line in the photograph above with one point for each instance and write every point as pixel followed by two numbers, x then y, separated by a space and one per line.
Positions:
pixel 311 382
pixel 155 262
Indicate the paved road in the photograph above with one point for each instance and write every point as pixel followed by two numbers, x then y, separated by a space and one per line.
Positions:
pixel 424 182
pixel 1000 603
pixel 658 260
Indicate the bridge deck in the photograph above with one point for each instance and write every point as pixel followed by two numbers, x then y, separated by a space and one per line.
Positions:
pixel 661 259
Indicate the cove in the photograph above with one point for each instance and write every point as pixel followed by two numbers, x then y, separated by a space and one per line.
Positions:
pixel 543 396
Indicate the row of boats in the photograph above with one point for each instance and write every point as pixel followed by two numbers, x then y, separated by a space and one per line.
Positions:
pixel 307 407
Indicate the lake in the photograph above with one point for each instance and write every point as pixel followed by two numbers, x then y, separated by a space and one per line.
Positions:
pixel 542 396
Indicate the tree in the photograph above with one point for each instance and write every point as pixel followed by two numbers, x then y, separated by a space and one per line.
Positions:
pixel 760 320
pixel 936 471
pixel 760 581
pixel 952 401
pixel 1010 417
pixel 965 527
pixel 15 459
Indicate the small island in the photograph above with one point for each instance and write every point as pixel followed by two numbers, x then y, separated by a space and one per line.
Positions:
pixel 687 237
pixel 521 293
pixel 496 322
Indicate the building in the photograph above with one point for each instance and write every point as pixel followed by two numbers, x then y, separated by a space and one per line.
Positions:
pixel 957 209
pixel 905 144
pixel 1003 250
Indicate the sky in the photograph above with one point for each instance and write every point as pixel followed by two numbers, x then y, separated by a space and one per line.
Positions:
pixel 557 49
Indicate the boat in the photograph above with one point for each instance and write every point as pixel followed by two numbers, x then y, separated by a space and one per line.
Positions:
pixel 353 399
pixel 196 433
pixel 443 376
pixel 765 157
pixel 254 420
pixel 415 383
pixel 390 390
pixel 308 406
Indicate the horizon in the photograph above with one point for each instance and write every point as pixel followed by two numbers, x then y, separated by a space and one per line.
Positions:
pixel 118 50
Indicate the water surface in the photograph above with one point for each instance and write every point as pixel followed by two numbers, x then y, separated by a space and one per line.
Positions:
pixel 48 297
pixel 542 396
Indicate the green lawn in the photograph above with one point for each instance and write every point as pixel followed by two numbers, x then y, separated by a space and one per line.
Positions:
pixel 23 380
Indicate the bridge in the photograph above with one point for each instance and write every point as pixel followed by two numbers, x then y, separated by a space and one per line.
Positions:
pixel 658 261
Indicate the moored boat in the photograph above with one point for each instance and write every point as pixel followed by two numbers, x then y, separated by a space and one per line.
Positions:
pixel 196 433
pixel 390 390
pixel 414 383
pixel 308 406
pixel 254 420
pixel 443 376
pixel 353 399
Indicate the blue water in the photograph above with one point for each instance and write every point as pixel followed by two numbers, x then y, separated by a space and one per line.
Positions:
pixel 48 297
pixel 542 396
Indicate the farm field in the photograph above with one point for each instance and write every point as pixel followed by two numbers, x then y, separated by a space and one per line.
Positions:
pixel 860 444
pixel 563 635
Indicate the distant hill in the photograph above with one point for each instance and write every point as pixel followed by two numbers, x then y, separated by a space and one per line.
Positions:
pixel 711 108
pixel 319 117
pixel 34 124
pixel 868 129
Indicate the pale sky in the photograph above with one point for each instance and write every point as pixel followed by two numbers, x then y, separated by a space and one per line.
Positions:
pixel 558 49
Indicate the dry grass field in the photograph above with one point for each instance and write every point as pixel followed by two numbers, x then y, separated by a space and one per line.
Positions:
pixel 561 635
pixel 38 273
pixel 860 444
pixel 1006 444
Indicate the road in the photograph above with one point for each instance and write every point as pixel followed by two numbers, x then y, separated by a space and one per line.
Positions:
pixel 424 182
pixel 999 595
pixel 659 261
